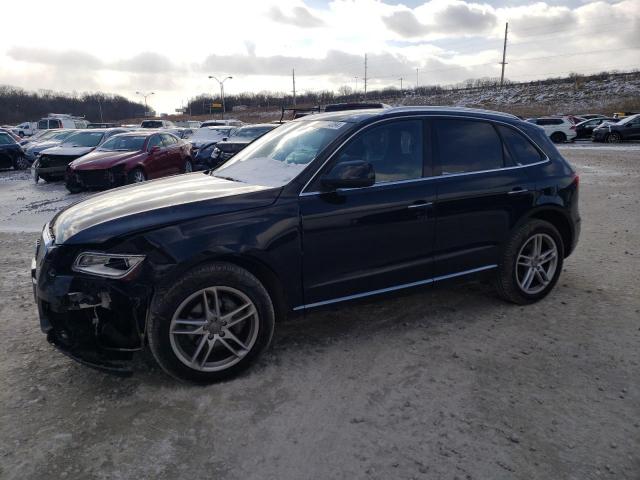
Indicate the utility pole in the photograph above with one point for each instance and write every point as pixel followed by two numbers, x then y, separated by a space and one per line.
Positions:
pixel 504 53
pixel 400 84
pixel 293 75
pixel 356 89
pixel 417 78
pixel 365 76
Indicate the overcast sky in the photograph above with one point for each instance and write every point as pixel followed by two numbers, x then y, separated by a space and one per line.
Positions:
pixel 171 47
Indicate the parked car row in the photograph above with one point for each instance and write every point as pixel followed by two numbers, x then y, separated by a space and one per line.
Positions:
pixel 599 128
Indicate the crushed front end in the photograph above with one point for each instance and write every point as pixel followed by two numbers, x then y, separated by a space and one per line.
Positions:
pixel 95 320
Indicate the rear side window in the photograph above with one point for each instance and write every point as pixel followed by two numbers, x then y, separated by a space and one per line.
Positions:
pixel 468 146
pixel 43 125
pixel 522 151
pixel 550 121
pixel 5 139
pixel 54 124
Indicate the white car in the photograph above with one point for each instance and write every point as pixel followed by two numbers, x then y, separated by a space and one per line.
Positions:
pixel 25 129
pixel 558 129
pixel 60 120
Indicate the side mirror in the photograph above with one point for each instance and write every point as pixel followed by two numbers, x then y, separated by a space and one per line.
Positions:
pixel 353 174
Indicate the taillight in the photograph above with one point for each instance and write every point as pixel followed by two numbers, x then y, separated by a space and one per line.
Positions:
pixel 576 179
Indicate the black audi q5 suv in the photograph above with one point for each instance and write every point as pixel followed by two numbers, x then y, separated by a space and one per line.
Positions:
pixel 324 209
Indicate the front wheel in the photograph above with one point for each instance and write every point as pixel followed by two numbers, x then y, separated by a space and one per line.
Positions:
pixel 136 176
pixel 531 263
pixel 614 137
pixel 558 137
pixel 211 324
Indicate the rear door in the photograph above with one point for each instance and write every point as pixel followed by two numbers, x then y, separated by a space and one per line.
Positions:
pixel 631 130
pixel 481 191
pixel 174 157
pixel 361 241
pixel 154 165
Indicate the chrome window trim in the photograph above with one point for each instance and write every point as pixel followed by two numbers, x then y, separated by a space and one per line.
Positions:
pixel 424 117
pixel 394 288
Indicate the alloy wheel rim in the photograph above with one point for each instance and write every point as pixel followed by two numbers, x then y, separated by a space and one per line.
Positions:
pixel 214 328
pixel 188 168
pixel 139 176
pixel 613 138
pixel 536 263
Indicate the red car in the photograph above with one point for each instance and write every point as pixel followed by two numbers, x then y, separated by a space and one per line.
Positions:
pixel 129 158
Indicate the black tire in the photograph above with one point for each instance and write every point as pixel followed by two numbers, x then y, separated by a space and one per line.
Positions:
pixel 506 282
pixel 613 137
pixel 558 137
pixel 167 302
pixel 47 178
pixel 73 187
pixel 21 163
pixel 136 175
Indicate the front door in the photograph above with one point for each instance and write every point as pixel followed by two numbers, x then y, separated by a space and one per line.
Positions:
pixel 363 241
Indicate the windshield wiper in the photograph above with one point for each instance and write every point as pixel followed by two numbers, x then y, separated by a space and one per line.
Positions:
pixel 225 178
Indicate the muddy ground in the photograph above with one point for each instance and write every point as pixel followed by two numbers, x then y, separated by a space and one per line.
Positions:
pixel 444 383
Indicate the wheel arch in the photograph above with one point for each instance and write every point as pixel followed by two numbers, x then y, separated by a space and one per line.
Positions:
pixel 255 266
pixel 556 217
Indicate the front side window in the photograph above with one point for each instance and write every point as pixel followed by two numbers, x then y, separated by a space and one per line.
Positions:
pixel 468 146
pixel 522 151
pixel 168 140
pixel 393 149
pixel 154 141
pixel 282 154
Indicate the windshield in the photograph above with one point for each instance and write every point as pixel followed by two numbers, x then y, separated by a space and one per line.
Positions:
pixel 624 121
pixel 83 139
pixel 279 156
pixel 210 133
pixel 125 143
pixel 251 132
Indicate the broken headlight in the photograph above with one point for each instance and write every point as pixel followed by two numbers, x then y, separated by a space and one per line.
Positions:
pixel 110 265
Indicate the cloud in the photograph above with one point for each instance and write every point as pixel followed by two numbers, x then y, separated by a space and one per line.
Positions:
pixel 72 60
pixel 65 58
pixel 464 18
pixel 300 17
pixel 452 19
pixel 405 24
pixel 146 62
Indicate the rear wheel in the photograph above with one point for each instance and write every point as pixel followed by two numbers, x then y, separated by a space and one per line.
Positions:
pixel 558 137
pixel 21 163
pixel 136 176
pixel 73 187
pixel 531 263
pixel 614 137
pixel 210 324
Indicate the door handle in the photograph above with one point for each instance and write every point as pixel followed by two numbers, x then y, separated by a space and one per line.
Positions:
pixel 517 190
pixel 420 205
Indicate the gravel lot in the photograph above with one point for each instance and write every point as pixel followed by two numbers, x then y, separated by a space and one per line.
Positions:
pixel 443 383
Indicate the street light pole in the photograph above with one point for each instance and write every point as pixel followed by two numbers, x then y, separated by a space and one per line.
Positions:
pixel 145 95
pixel 221 83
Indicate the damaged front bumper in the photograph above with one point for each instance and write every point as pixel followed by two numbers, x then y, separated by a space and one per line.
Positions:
pixel 96 321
